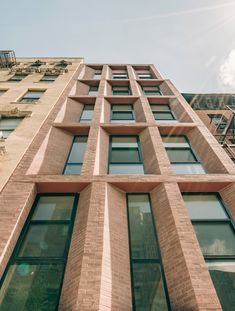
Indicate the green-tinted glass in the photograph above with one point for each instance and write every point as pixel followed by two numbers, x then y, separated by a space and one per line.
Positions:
pixel 29 287
pixel 44 241
pixel 204 206
pixel 181 155
pixel 54 208
pixel 78 149
pixel 215 238
pixel 122 116
pixel 148 287
pixel 128 156
pixel 73 169
pixel 142 235
pixel 175 141
pixel 124 142
pixel 223 277
pixel 160 107
pixel 126 168
pixel 163 116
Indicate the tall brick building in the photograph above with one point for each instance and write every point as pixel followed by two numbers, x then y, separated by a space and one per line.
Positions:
pixel 115 195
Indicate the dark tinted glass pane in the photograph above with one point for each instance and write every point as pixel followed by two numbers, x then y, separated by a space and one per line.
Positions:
pixel 204 206
pixel 78 149
pixel 31 287
pixel 54 208
pixel 181 155
pixel 223 277
pixel 122 116
pixel 44 241
pixel 128 155
pixel 73 169
pixel 163 116
pixel 215 238
pixel 142 232
pixel 126 169
pixel 148 287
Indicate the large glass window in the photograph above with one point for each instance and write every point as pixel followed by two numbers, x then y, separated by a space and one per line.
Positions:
pixel 2 92
pixel 33 278
pixel 93 90
pixel 49 78
pixel 125 155
pixel 163 112
pixel 148 287
pixel 76 155
pixel 145 75
pixel 215 231
pixel 17 77
pixel 7 125
pixel 31 96
pixel 97 75
pixel 87 114
pixel 182 157
pixel 120 75
pixel 121 90
pixel 122 113
pixel 151 90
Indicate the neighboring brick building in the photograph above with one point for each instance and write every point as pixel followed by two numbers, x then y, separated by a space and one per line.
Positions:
pixel 217 113
pixel 99 207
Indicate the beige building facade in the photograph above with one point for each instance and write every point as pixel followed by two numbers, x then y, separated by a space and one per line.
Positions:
pixel 115 196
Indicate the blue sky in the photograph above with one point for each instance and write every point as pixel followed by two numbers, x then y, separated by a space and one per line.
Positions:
pixel 191 42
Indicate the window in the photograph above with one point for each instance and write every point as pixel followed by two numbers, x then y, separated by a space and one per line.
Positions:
pixel 34 275
pixel 2 92
pixel 121 90
pixel 97 75
pixel 17 77
pixel 151 90
pixel 148 287
pixel 163 113
pixel 120 75
pixel 122 113
pixel 37 64
pixel 93 90
pixel 144 75
pixel 49 78
pixel 181 156
pixel 75 159
pixel 125 155
pixel 87 114
pixel 61 65
pixel 31 96
pixel 219 120
pixel 7 125
pixel 216 235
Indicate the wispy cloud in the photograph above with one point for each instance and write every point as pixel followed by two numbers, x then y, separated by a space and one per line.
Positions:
pixel 227 72
pixel 179 13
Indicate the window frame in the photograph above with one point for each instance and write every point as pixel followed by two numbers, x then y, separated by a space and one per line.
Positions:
pixel 17 80
pixel 112 112
pixel 9 130
pixel 139 74
pixel 83 120
pixel 229 221
pixel 127 87
pixel 156 260
pixel 119 74
pixel 70 150
pixel 182 148
pixel 161 112
pixel 157 87
pixel 44 260
pixel 92 87
pixel 32 99
pixel 50 81
pixel 141 161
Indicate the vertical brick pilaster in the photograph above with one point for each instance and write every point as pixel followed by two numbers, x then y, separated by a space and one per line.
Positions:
pixel 188 280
